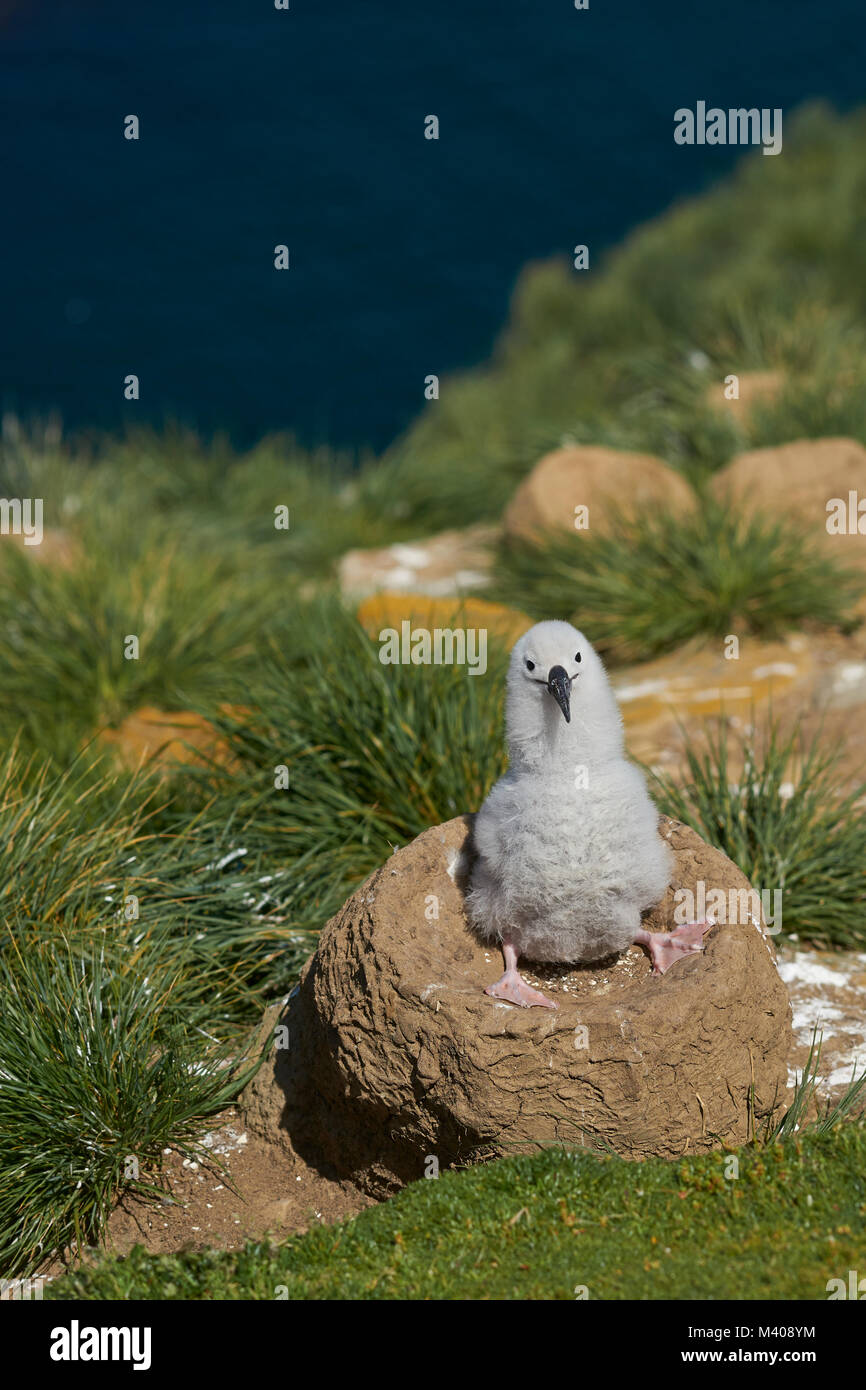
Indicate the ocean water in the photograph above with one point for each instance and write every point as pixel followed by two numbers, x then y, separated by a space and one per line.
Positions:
pixel 306 127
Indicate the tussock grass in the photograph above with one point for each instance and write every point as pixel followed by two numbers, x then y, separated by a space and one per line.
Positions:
pixel 805 1111
pixel 100 1066
pixel 647 584
pixel 61 838
pixel 62 662
pixel 91 855
pixel 810 843
pixel 131 962
pixel 375 754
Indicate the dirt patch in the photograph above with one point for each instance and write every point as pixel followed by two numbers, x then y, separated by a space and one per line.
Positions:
pixel 263 1190
pixel 276 1194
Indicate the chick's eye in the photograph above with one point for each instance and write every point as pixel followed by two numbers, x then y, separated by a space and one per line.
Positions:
pixel 530 665
pixel 577 657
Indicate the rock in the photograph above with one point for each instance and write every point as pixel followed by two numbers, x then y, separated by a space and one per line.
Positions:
pixel 799 480
pixel 390 610
pixel 604 480
pixel 396 1056
pixel 163 739
pixel 846 687
pixel 57 548
pixel 699 682
pixel 812 684
pixel 755 388
pixel 828 993
pixel 449 563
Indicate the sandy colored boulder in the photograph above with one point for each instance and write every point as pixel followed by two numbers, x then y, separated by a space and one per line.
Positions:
pixel 755 388
pixel 603 480
pixel 165 738
pixel 799 480
pixel 57 547
pixel 389 1053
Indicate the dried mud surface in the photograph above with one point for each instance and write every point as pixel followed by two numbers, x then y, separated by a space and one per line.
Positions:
pixel 395 1053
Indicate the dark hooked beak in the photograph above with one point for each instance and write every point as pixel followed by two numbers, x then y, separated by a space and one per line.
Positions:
pixel 559 685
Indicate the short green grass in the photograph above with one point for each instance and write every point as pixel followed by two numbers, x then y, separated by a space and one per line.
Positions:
pixel 557 1225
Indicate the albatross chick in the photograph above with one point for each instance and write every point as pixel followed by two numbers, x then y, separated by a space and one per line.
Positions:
pixel 569 853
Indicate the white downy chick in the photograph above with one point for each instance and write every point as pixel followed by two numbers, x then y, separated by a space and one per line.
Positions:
pixel 569 853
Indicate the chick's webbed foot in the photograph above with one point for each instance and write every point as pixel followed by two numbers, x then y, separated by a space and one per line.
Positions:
pixel 666 947
pixel 514 988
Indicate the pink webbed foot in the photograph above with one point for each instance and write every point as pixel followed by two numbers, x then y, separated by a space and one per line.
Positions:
pixel 665 948
pixel 515 990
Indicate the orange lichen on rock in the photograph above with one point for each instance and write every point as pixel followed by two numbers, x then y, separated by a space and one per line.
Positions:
pixel 166 738
pixel 389 610
pixel 701 680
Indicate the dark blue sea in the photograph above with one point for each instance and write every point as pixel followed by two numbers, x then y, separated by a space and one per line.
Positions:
pixel 305 127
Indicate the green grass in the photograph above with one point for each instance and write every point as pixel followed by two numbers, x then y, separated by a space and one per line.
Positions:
pixel 805 1111
pixel 549 1226
pixel 132 961
pixel 375 754
pixel 86 856
pixel 100 1066
pixel 648 584
pixel 807 839
pixel 63 663
pixel 174 541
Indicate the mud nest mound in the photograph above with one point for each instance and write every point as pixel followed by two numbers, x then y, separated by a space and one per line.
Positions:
pixel 389 1053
